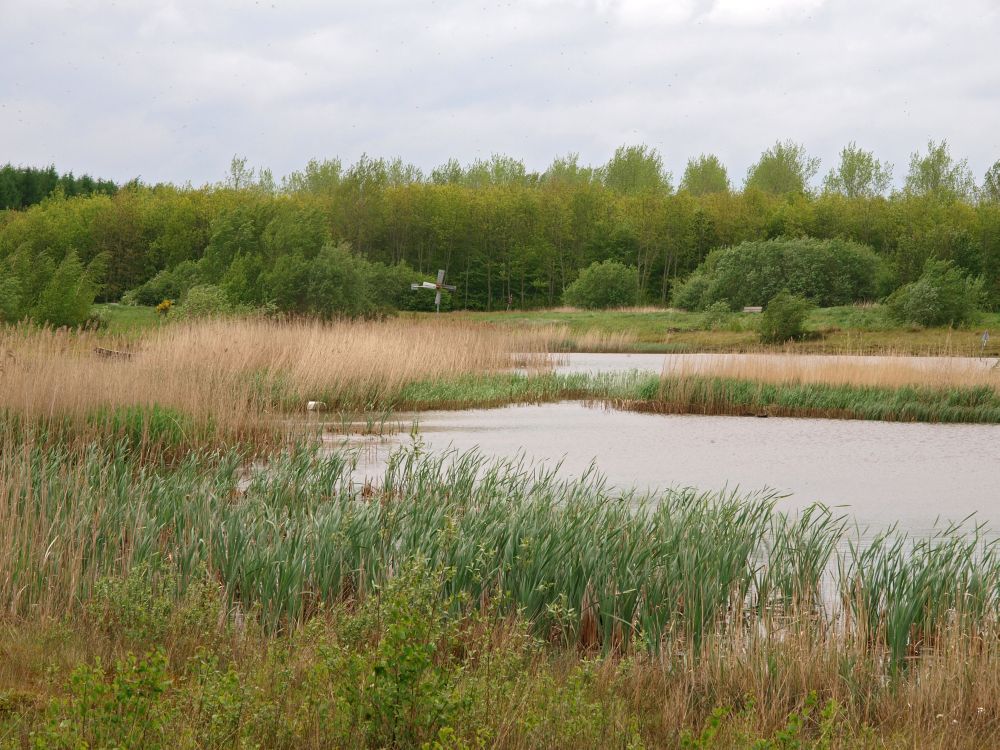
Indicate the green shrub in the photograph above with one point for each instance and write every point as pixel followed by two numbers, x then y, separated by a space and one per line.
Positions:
pixel 67 298
pixel 607 284
pixel 690 294
pixel 784 318
pixel 10 299
pixel 123 709
pixel 716 316
pixel 941 296
pixel 171 283
pixel 338 283
pixel 205 301
pixel 827 272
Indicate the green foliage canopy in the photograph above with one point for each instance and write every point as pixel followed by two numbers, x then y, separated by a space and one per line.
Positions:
pixel 607 284
pixel 784 318
pixel 942 295
pixel 705 175
pixel 859 174
pixel 938 174
pixel 785 168
pixel 827 272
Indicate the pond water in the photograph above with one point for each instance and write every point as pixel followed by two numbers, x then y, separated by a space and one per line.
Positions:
pixel 879 472
pixel 704 363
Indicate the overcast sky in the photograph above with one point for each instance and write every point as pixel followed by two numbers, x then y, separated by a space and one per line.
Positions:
pixel 170 91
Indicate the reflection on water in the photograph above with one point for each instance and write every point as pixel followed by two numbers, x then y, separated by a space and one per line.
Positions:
pixel 882 472
pixel 704 363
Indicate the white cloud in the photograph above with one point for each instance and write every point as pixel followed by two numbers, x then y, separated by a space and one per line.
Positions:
pixel 761 11
pixel 172 89
pixel 655 12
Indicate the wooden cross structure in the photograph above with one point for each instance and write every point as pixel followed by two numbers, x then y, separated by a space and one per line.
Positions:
pixel 436 287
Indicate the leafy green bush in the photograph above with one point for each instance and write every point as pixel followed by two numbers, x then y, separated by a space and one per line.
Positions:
pixel 607 284
pixel 690 294
pixel 205 301
pixel 10 299
pixel 122 709
pixel 827 272
pixel 716 316
pixel 942 295
pixel 170 283
pixel 70 292
pixel 338 283
pixel 784 318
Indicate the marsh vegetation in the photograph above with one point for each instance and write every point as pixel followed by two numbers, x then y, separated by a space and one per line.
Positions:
pixel 464 601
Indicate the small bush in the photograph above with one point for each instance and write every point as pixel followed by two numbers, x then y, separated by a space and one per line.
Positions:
pixel 205 301
pixel 10 299
pixel 784 318
pixel 607 284
pixel 171 283
pixel 716 316
pixel 123 707
pixel 941 296
pixel 690 294
pixel 67 298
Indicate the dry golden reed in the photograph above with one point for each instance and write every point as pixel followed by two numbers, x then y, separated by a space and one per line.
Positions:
pixel 886 372
pixel 230 369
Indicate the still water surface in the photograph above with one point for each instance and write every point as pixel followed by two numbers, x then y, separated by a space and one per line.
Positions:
pixel 704 363
pixel 881 472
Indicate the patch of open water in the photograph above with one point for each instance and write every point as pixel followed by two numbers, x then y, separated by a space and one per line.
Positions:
pixel 877 472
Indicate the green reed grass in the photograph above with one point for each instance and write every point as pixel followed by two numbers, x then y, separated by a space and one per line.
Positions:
pixel 580 560
pixel 697 394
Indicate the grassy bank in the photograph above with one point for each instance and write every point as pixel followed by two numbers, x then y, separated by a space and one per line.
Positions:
pixel 699 394
pixel 459 603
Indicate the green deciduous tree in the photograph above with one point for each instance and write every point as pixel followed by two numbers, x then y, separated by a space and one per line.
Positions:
pixel 338 283
pixel 938 174
pixel 607 284
pixel 990 190
pixel 943 295
pixel 784 318
pixel 859 174
pixel 705 174
pixel 69 295
pixel 782 169
pixel 827 272
pixel 634 169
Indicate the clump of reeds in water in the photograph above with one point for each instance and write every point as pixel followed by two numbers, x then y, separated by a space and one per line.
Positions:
pixel 585 564
pixel 862 371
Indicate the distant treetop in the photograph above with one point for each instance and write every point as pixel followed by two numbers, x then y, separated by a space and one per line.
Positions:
pixel 21 187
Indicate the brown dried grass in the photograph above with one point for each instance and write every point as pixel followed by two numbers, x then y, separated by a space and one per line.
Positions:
pixel 220 368
pixel 886 372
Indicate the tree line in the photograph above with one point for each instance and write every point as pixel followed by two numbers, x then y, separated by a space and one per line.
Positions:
pixel 21 187
pixel 506 236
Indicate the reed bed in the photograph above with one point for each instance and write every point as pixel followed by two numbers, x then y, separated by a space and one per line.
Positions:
pixel 579 560
pixel 682 601
pixel 882 372
pixel 233 373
